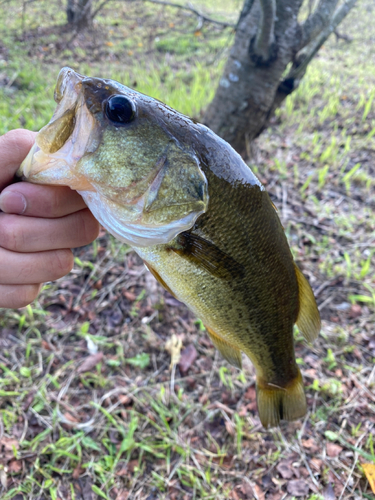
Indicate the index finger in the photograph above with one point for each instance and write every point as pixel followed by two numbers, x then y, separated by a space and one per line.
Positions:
pixel 14 146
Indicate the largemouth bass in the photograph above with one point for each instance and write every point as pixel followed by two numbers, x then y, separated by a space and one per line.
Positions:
pixel 195 213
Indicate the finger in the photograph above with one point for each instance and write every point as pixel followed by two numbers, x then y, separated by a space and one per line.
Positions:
pixel 40 201
pixel 14 146
pixel 15 296
pixel 26 268
pixel 31 234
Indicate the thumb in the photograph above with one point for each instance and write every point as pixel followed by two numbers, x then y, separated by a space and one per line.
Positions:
pixel 14 146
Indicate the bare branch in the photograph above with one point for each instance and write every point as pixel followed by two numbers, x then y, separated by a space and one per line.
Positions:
pixel 99 8
pixel 291 81
pixel 317 21
pixel 307 55
pixel 265 35
pixel 195 11
pixel 245 11
pixel 341 36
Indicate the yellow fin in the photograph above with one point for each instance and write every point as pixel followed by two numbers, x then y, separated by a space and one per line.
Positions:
pixel 280 403
pixel 308 320
pixel 228 351
pixel 158 278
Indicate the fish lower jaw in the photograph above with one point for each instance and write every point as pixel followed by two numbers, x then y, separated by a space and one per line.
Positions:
pixel 135 233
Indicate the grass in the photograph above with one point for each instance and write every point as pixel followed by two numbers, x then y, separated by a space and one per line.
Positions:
pixel 127 427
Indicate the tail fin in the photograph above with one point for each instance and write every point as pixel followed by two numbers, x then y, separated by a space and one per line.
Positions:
pixel 280 403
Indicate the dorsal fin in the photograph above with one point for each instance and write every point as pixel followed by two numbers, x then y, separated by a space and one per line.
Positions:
pixel 308 320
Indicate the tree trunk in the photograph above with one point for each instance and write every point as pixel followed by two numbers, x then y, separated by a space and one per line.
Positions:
pixel 268 38
pixel 78 13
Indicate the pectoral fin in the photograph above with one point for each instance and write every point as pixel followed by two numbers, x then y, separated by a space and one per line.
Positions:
pixel 205 254
pixel 228 351
pixel 308 320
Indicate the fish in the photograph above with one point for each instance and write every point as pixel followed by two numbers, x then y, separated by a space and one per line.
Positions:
pixel 196 214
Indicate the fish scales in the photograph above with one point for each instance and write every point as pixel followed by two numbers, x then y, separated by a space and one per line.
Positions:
pixel 198 217
pixel 256 310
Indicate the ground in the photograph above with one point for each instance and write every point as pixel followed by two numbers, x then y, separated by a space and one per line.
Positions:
pixel 89 407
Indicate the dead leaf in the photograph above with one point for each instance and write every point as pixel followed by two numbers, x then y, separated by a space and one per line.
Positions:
pixel 328 493
pixel 247 489
pixel 3 478
pixel 285 470
pixel 8 444
pixel 310 444
pixel 203 399
pixel 129 295
pixel 229 427
pixel 68 416
pixel 333 450
pixel 125 400
pixel 90 362
pixel 46 345
pixel 355 311
pixel 258 490
pixel 78 471
pixel 369 470
pixel 234 495
pixel 250 394
pixel 188 356
pixel 122 495
pixel 316 463
pixel 298 488
pixel 15 466
pixel 174 346
pixel 28 401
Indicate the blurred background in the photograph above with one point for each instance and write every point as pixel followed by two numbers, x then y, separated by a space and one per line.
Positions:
pixel 89 407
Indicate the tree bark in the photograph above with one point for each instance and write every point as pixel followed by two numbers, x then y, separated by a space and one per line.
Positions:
pixel 268 39
pixel 78 13
pixel 243 100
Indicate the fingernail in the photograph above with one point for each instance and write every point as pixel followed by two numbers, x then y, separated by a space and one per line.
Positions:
pixel 12 202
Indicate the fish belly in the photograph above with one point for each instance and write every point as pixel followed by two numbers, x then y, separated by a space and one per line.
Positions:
pixel 226 309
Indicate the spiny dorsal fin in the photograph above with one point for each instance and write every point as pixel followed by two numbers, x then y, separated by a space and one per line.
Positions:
pixel 228 351
pixel 308 320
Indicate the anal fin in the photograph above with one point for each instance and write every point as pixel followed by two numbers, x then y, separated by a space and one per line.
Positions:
pixel 308 320
pixel 228 351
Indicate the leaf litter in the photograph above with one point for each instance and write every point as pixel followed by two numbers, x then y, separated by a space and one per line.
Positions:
pixel 87 408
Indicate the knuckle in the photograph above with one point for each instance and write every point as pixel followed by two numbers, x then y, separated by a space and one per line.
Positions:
pixel 87 227
pixel 10 136
pixel 61 263
pixel 56 199
pixel 17 296
pixel 27 294
pixel 10 234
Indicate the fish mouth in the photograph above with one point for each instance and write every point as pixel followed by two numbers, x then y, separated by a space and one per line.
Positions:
pixel 69 135
pixel 141 212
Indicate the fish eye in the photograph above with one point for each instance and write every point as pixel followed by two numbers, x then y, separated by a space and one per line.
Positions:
pixel 119 110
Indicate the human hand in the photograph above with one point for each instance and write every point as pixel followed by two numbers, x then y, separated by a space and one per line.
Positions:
pixel 38 227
